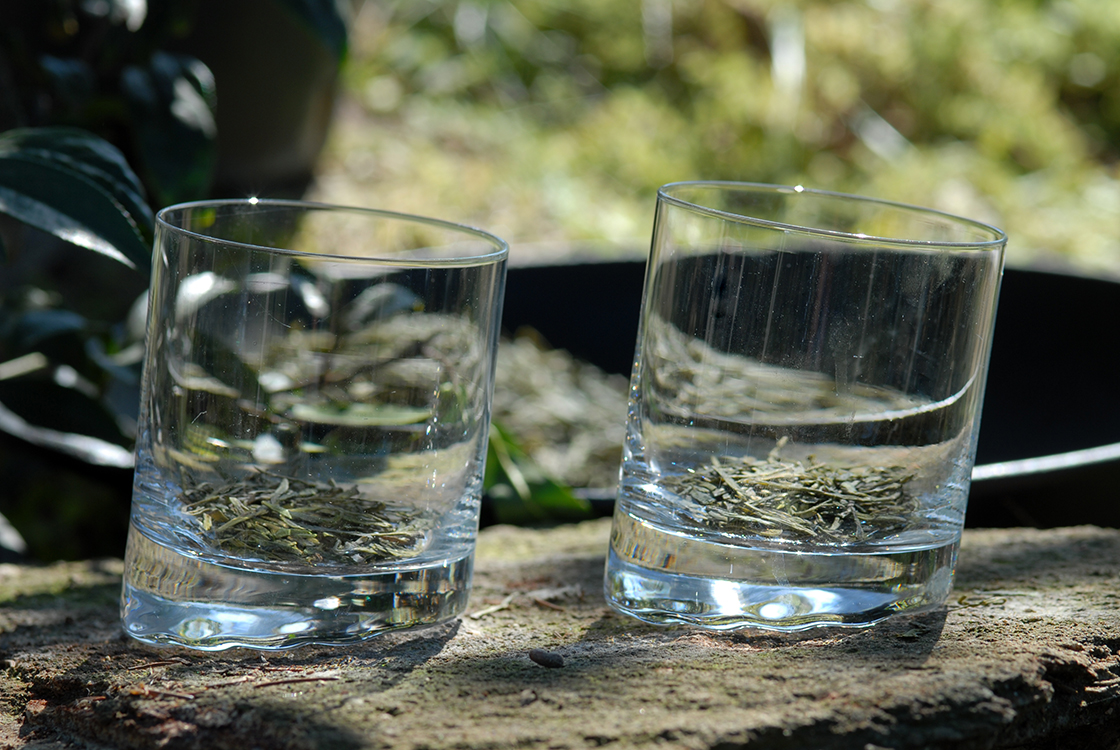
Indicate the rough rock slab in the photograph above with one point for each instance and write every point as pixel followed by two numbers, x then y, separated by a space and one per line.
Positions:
pixel 1027 655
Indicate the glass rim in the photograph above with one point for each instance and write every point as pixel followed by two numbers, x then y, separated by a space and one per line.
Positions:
pixel 999 237
pixel 500 253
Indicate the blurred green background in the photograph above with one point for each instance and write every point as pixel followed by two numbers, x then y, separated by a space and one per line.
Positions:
pixel 553 122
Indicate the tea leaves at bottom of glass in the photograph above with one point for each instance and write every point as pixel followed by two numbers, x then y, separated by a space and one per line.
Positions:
pixel 798 500
pixel 285 519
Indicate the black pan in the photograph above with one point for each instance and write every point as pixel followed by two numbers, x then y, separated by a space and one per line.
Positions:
pixel 1049 449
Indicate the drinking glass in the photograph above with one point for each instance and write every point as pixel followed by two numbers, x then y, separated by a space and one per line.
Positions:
pixel 314 414
pixel 804 407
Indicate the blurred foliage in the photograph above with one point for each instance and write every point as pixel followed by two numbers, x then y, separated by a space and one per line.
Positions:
pixel 557 120
pixel 76 231
pixel 99 123
pixel 115 68
pixel 102 66
pixel 325 19
pixel 77 235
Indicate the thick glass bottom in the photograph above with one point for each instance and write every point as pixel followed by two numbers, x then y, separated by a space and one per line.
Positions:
pixel 663 577
pixel 172 597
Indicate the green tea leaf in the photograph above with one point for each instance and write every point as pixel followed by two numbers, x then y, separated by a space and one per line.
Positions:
pixel 361 414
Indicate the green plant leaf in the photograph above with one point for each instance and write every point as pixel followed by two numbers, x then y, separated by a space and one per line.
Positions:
pixel 89 449
pixel 126 373
pixel 91 157
pixel 71 80
pixel 33 326
pixel 63 337
pixel 44 403
pixel 325 19
pixel 71 192
pixel 44 413
pixel 520 490
pixel 172 106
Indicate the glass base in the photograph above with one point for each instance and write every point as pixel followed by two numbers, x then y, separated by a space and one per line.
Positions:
pixel 663 578
pixel 174 598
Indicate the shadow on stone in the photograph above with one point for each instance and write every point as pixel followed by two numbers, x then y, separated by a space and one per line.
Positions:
pixel 160 719
pixel 127 694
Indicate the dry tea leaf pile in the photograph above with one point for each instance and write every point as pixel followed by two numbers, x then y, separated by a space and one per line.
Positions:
pixel 568 415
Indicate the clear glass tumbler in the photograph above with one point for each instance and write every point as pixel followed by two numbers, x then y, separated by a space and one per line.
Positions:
pixel 314 413
pixel 804 407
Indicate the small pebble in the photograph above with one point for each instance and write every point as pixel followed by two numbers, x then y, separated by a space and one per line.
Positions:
pixel 548 659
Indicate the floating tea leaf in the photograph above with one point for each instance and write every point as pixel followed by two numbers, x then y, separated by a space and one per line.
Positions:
pixel 361 415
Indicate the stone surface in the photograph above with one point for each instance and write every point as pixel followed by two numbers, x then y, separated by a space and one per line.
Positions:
pixel 1026 655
